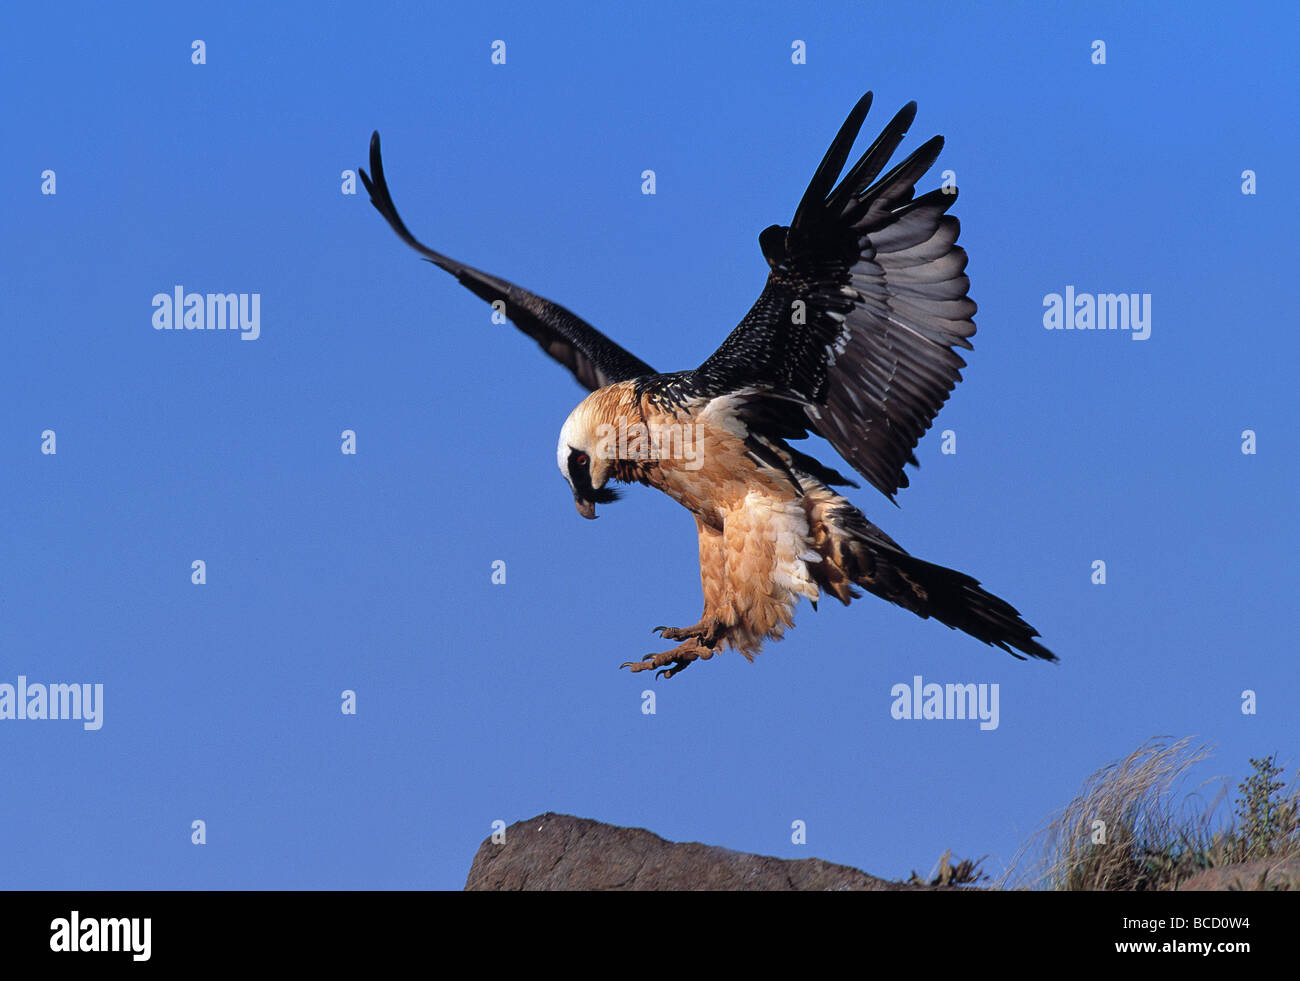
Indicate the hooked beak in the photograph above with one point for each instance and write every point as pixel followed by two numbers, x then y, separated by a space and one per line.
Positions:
pixel 585 508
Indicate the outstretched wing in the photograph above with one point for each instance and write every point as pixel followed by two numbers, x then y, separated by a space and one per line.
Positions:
pixel 853 335
pixel 594 359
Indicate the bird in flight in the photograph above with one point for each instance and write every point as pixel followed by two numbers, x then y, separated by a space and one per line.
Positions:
pixel 851 339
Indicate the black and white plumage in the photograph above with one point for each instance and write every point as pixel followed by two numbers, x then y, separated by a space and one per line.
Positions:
pixel 881 280
pixel 852 339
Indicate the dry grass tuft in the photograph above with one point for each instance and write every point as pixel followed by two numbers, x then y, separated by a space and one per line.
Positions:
pixel 1126 832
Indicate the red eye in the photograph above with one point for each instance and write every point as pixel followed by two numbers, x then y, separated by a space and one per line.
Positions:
pixel 582 459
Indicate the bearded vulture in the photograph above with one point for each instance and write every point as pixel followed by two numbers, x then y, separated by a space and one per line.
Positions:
pixel 852 339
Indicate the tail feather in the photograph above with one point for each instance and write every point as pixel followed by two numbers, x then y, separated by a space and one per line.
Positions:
pixel 955 599
pixel 857 553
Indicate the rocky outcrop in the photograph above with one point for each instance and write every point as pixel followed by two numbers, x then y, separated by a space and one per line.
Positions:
pixel 558 851
pixel 1265 873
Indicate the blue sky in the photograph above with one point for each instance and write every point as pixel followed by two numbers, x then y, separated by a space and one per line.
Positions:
pixel 372 572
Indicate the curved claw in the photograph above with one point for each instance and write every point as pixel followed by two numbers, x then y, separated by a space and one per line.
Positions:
pixel 670 663
pixel 676 668
pixel 638 665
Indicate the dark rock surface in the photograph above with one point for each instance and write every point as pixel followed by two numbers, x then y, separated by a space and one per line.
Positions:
pixel 558 851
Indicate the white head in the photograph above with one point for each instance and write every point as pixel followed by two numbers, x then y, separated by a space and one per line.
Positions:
pixel 585 459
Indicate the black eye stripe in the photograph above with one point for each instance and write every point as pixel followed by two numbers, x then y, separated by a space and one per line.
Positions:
pixel 580 472
pixel 580 475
